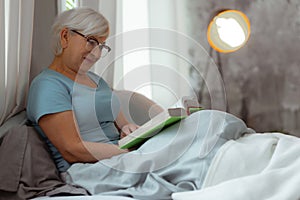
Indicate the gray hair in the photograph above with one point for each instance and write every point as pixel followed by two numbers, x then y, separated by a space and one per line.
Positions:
pixel 85 20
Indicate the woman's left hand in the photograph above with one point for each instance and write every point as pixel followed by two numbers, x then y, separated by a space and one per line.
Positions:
pixel 127 129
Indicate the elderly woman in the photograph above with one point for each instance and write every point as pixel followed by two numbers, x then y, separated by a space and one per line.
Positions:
pixel 76 112
pixel 65 95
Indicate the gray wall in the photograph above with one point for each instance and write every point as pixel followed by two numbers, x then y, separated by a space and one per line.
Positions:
pixel 261 79
pixel 44 14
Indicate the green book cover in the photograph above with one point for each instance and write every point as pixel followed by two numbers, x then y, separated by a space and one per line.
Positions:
pixel 184 107
pixel 136 140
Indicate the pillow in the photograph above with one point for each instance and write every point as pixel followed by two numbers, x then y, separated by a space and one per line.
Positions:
pixel 27 169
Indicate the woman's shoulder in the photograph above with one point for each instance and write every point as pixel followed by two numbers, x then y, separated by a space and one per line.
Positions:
pixel 51 77
pixel 48 74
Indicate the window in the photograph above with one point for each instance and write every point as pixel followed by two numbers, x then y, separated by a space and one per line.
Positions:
pixel 66 4
pixel 133 19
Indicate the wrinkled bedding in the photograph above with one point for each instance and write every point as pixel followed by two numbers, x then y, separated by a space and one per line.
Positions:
pixel 176 160
pixel 256 166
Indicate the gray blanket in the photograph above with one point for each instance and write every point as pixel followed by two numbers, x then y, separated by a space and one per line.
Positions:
pixel 175 160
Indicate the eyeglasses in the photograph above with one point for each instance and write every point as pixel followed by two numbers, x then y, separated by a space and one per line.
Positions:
pixel 92 43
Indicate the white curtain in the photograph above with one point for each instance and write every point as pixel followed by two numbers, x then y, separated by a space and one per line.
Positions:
pixel 154 50
pixel 16 23
pixel 138 50
pixel 170 55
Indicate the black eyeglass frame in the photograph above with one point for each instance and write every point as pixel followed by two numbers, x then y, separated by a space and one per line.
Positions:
pixel 88 39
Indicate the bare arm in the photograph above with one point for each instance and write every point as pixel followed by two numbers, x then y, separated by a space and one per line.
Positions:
pixel 62 130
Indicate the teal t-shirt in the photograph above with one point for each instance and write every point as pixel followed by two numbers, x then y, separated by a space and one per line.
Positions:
pixel 95 109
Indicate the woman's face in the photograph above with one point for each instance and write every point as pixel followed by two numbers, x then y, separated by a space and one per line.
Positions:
pixel 78 54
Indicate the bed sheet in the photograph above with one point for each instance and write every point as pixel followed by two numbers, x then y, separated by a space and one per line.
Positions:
pixel 257 166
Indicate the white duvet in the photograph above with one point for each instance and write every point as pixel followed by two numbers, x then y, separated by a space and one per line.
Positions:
pixel 254 167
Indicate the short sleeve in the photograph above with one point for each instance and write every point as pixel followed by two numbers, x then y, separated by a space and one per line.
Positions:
pixel 47 96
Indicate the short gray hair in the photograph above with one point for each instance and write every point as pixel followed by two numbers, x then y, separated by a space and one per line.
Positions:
pixel 85 20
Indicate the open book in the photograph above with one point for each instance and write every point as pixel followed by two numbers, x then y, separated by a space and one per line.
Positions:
pixel 184 107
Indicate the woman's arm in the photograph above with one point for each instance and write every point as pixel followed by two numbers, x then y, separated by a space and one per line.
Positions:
pixel 63 132
pixel 125 127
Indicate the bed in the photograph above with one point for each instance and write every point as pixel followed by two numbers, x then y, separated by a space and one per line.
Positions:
pixel 254 166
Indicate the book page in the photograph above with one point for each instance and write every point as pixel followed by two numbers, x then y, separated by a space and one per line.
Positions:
pixel 187 102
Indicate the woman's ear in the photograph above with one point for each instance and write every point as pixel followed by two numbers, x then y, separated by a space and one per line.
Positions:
pixel 64 38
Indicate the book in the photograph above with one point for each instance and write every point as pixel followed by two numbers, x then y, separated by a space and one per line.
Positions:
pixel 180 110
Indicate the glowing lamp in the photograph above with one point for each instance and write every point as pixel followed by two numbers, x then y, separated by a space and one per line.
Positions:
pixel 228 31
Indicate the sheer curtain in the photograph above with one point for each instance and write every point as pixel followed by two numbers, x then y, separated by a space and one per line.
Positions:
pixel 169 51
pixel 145 55
pixel 16 24
pixel 154 50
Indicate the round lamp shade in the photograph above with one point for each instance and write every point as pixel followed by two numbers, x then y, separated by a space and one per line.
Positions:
pixel 228 31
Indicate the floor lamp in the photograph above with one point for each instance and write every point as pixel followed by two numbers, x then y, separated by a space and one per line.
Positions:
pixel 228 31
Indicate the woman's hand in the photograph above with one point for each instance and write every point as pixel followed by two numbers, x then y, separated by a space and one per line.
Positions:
pixel 127 129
